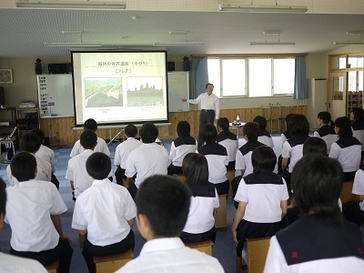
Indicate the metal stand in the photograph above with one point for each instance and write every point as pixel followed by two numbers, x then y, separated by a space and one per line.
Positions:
pixel 111 140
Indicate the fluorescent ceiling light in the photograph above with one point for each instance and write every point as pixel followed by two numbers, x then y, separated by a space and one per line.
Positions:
pixel 272 43
pixel 178 44
pixel 263 8
pixel 348 43
pixel 57 44
pixel 70 4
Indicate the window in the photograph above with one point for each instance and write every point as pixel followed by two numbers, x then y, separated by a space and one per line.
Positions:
pixel 252 77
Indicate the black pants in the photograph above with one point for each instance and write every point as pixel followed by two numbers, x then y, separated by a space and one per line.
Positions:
pixel 89 250
pixel 55 181
pixel 353 213
pixel 174 169
pixel 206 116
pixel 120 175
pixel 222 188
pixel 62 252
pixel 200 237
pixel 133 190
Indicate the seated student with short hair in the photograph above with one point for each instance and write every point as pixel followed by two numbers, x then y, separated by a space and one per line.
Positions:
pixel 181 146
pixel 123 150
pixel 10 263
pixel 148 159
pixel 104 213
pixel 33 213
pixel 347 150
pixel 321 240
pixel 326 130
pixel 30 142
pixel 217 158
pixel 200 224
pixel 90 124
pixel 163 204
pixel 263 136
pixel 262 197
pixel 47 154
pixel 76 169
pixel 228 140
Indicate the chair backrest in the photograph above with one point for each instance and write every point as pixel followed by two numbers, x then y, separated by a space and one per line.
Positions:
pixel 346 194
pixel 256 251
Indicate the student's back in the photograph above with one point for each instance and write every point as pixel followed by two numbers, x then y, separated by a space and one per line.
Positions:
pixel 228 140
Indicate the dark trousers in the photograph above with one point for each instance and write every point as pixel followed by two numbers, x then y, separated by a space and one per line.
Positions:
pixel 353 213
pixel 133 190
pixel 234 188
pixel 120 175
pixel 200 237
pixel 174 169
pixel 89 250
pixel 62 252
pixel 206 116
pixel 222 188
pixel 55 181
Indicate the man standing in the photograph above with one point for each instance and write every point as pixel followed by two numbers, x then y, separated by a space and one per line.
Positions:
pixel 210 107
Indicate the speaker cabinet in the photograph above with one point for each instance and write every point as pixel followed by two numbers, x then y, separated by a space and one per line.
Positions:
pixel 171 66
pixel 2 96
pixel 59 68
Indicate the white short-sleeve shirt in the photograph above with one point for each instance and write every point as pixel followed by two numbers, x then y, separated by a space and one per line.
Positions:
pixel 28 211
pixel 123 150
pixel 101 147
pixel 358 186
pixel 103 210
pixel 10 263
pixel 48 155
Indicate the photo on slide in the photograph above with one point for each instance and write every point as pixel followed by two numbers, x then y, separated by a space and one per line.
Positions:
pixel 145 91
pixel 103 92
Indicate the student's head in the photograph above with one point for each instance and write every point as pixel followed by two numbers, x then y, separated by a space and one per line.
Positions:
pixel 263 160
pixel 90 124
pixel 223 124
pixel 287 119
pixel 98 166
pixel 148 132
pixel 194 167
pixel 163 204
pixel 30 142
pixel 40 134
pixel 183 129
pixel 324 117
pixel 23 166
pixel 261 121
pixel 209 133
pixel 2 202
pixel 298 124
pixel 130 130
pixel 316 183
pixel 343 127
pixel 251 131
pixel 357 114
pixel 88 139
pixel 314 145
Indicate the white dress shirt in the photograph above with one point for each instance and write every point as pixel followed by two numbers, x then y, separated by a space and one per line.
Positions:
pixel 123 150
pixel 172 256
pixel 147 160
pixel 28 209
pixel 14 264
pixel 103 210
pixel 101 147
pixel 358 186
pixel 208 102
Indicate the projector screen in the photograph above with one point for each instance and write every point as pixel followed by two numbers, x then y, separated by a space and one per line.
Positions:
pixel 116 88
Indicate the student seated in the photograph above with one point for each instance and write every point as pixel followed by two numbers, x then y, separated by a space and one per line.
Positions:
pixel 347 150
pixel 357 124
pixel 262 197
pixel 47 154
pixel 217 158
pixel 33 213
pixel 146 160
pixel 263 136
pixel 163 204
pixel 10 263
pixel 123 150
pixel 228 140
pixel 30 142
pixel 326 130
pixel 182 145
pixel 200 224
pixel 321 240
pixel 104 213
pixel 90 124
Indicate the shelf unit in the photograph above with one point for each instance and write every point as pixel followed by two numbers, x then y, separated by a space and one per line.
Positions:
pixel 354 100
pixel 26 120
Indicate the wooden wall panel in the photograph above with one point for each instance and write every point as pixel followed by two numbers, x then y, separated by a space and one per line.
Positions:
pixel 60 130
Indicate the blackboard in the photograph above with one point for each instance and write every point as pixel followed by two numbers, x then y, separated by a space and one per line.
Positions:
pixel 55 94
pixel 178 88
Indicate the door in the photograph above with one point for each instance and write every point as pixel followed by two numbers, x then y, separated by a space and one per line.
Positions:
pixel 337 95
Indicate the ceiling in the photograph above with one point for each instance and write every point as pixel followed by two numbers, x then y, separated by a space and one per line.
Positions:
pixel 24 31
